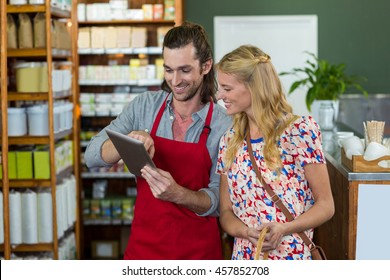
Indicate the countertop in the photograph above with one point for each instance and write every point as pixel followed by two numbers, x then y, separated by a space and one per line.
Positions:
pixel 333 156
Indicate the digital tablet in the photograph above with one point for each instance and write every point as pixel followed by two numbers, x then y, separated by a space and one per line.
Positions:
pixel 132 151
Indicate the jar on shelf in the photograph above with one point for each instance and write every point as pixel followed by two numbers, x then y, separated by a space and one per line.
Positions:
pixel 17 121
pixel 326 115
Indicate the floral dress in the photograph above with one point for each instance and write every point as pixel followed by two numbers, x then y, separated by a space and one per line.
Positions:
pixel 300 144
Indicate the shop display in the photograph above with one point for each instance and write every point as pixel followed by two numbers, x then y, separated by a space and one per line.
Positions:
pixel 39 142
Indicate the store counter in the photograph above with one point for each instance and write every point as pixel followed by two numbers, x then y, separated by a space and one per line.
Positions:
pixel 359 229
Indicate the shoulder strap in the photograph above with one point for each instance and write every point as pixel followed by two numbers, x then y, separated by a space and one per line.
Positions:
pixel 207 129
pixel 274 197
pixel 158 117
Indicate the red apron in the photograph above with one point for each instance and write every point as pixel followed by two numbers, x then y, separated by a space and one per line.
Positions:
pixel 162 230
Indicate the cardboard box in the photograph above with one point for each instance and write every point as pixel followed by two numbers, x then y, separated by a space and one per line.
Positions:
pixel 97 37
pixel 24 165
pixel 12 165
pixel 148 11
pixel 138 37
pixel 169 11
pixel 84 40
pixel 41 158
pixel 123 36
pixel 105 249
pixel 161 31
pixel 110 37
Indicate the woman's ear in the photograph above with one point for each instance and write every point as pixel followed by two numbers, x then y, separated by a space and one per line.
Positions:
pixel 207 66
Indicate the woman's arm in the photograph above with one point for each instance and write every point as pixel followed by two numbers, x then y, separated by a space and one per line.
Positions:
pixel 323 208
pixel 229 221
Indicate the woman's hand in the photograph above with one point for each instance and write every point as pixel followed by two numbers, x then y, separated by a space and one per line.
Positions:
pixel 272 238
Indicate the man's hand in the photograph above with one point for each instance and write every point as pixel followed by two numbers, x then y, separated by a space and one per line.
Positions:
pixel 162 184
pixel 145 138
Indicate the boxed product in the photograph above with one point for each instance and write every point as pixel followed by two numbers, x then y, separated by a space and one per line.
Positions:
pixel 105 249
pixel 24 165
pixel 41 159
pixel 12 165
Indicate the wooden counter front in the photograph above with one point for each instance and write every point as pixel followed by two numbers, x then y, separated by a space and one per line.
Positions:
pixel 338 236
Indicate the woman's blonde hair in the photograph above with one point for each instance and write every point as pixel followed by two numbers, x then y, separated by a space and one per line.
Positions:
pixel 272 113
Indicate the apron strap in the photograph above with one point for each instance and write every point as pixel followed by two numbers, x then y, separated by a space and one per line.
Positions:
pixel 158 117
pixel 206 129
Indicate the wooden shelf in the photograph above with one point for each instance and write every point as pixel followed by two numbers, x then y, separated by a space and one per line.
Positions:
pixel 38 52
pixel 56 12
pixel 14 9
pixel 27 52
pixel 37 183
pixel 40 247
pixel 36 96
pixel 37 140
pixel 28 140
pixel 126 21
pixel 17 183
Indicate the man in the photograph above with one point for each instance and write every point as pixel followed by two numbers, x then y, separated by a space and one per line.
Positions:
pixel 175 215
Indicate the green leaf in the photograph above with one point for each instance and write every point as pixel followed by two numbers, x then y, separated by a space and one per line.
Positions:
pixel 325 81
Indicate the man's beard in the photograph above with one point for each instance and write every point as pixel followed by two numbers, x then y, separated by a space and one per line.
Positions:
pixel 191 95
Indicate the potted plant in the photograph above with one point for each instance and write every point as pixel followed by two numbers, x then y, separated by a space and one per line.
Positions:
pixel 325 81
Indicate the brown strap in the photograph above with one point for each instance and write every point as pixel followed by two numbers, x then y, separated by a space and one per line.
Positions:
pixel 274 197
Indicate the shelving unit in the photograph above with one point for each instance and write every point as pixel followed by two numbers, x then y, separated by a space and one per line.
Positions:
pixel 3 105
pixel 118 183
pixel 10 96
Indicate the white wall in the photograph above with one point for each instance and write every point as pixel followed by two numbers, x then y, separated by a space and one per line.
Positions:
pixel 284 38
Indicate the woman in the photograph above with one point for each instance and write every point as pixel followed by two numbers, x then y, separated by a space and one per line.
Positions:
pixel 288 152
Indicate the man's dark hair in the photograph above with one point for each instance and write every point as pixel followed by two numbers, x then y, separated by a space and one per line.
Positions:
pixel 181 36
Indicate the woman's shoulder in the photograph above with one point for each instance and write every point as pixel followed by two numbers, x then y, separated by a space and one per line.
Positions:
pixel 228 134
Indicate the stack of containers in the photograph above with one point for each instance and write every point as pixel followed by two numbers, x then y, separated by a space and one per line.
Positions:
pixel 32 77
pixel 38 121
pixel 87 103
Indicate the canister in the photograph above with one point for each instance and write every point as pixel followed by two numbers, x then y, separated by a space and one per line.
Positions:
pixel 31 77
pixel 38 120
pixel 57 111
pixel 68 115
pixel 17 121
